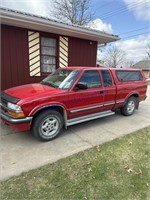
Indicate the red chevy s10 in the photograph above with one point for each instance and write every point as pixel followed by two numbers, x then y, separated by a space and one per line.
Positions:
pixel 72 95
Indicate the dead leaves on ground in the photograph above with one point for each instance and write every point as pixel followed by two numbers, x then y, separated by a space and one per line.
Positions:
pixel 130 170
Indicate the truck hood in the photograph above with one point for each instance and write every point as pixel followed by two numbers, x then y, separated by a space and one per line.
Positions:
pixel 30 90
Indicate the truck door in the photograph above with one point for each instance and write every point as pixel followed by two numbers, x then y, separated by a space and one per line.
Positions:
pixel 89 100
pixel 109 89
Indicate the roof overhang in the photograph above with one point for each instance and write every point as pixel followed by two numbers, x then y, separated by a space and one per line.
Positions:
pixel 38 23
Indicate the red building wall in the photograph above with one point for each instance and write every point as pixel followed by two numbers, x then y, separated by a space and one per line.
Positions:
pixel 82 52
pixel 15 56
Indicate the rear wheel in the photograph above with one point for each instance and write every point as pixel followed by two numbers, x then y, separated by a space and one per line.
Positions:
pixel 130 106
pixel 47 125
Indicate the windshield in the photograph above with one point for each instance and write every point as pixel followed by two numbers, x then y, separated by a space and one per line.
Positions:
pixel 61 78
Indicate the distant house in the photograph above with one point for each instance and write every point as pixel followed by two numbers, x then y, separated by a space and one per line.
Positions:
pixel 33 46
pixel 145 66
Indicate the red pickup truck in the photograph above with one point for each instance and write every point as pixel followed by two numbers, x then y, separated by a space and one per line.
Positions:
pixel 72 95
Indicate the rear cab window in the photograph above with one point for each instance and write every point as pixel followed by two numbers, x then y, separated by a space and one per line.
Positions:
pixel 107 79
pixel 126 76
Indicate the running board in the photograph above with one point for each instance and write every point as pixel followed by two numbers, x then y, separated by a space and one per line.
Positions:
pixel 89 117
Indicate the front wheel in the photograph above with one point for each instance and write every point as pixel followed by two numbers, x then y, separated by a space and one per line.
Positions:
pixel 47 125
pixel 130 106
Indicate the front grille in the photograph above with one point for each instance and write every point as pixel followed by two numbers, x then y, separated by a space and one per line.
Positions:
pixel 4 102
pixel 3 109
pixel 3 105
pixel 5 98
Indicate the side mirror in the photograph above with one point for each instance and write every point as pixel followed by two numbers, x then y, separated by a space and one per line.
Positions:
pixel 81 86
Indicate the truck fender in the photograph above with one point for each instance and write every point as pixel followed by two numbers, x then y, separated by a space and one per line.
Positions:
pixel 54 106
pixel 135 94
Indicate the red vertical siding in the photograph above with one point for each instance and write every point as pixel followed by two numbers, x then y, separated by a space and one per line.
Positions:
pixel 14 59
pixel 82 52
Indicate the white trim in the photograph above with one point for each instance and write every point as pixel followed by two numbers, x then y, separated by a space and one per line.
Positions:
pixel 108 104
pixel 120 102
pixel 38 23
pixel 87 108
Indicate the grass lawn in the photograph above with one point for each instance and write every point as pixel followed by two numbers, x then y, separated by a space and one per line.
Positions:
pixel 117 170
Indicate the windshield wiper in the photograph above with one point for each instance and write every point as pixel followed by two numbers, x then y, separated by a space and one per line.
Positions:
pixel 48 84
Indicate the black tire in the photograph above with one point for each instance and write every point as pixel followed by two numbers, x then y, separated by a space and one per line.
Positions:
pixel 47 125
pixel 130 106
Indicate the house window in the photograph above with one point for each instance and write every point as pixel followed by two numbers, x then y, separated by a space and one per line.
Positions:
pixel 48 54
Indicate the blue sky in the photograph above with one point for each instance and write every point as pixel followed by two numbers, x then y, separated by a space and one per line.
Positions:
pixel 123 20
pixel 130 19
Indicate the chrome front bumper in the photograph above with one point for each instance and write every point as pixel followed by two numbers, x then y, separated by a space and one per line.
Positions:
pixel 15 120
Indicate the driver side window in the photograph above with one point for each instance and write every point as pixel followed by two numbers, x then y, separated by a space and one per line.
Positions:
pixel 91 78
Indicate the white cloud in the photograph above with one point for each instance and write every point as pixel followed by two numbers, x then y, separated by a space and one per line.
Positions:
pixel 99 25
pixel 136 49
pixel 38 7
pixel 140 8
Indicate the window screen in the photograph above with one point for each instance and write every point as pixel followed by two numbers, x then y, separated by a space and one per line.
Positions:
pixel 125 76
pixel 48 54
pixel 91 78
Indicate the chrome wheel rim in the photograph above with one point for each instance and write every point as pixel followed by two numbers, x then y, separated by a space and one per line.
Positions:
pixel 50 126
pixel 131 106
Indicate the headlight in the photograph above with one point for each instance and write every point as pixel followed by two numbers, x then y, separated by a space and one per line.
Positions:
pixel 14 107
pixel 15 110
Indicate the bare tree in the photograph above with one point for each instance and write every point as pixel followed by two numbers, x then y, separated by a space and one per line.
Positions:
pixel 148 49
pixel 114 57
pixel 73 11
pixel 129 63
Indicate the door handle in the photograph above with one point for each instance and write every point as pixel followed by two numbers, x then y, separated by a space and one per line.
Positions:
pixel 101 92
